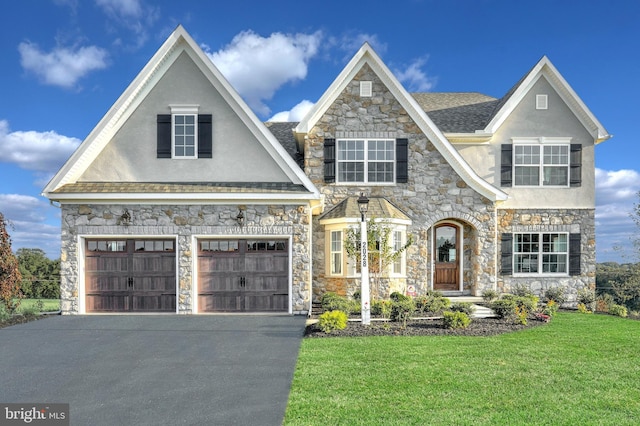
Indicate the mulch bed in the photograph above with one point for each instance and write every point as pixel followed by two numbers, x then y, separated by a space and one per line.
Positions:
pixel 423 327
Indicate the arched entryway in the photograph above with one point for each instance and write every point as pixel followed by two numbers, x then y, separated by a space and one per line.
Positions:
pixel 447 256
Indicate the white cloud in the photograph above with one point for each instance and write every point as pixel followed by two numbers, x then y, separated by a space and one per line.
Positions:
pixel 414 78
pixel 38 151
pixel 258 66
pixel 134 15
pixel 295 114
pixel 351 43
pixel 616 194
pixel 122 8
pixel 62 66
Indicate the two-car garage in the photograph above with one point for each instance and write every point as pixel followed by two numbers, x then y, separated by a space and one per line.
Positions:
pixel 140 275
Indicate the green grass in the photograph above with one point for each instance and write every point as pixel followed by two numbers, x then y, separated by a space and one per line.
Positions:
pixel 578 370
pixel 49 305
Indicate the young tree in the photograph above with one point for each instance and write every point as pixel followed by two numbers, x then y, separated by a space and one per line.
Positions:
pixel 380 248
pixel 9 273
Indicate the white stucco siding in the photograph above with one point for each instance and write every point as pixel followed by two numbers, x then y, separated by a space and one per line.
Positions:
pixel 558 121
pixel 131 155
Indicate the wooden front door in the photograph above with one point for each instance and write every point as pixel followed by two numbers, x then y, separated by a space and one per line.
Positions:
pixel 243 276
pixel 447 258
pixel 125 275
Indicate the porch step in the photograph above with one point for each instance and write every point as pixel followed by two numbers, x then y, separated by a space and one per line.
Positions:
pixel 482 312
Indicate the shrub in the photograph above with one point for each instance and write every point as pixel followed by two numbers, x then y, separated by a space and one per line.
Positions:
pixel 402 310
pixel 618 310
pixel 489 295
pixel 333 302
pixel 4 313
pixel 551 308
pixel 583 309
pixel 557 294
pixel 515 308
pixel 522 290
pixel 396 296
pixel 521 315
pixel 33 310
pixel 504 308
pixel 455 319
pixel 604 302
pixel 381 308
pixel 432 302
pixel 587 297
pixel 332 320
pixel 466 307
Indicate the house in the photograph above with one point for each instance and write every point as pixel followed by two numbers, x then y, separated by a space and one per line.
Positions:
pixel 181 200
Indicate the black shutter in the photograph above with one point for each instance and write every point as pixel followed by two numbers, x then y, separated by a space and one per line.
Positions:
pixel 329 160
pixel 574 254
pixel 163 149
pixel 402 160
pixel 575 175
pixel 506 264
pixel 205 136
pixel 506 165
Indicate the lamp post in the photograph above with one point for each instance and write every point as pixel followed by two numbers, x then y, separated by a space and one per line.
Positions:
pixel 363 205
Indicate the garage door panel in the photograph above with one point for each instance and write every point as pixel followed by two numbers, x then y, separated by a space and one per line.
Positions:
pixel 254 277
pixel 128 276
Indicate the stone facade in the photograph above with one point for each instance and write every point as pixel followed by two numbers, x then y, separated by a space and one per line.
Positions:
pixel 433 193
pixel 184 222
pixel 580 221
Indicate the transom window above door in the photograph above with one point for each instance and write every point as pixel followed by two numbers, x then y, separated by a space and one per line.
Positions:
pixel 366 160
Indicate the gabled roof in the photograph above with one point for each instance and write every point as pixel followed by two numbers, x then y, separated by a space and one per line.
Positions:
pixel 544 68
pixel 366 55
pixel 457 112
pixel 379 208
pixel 177 43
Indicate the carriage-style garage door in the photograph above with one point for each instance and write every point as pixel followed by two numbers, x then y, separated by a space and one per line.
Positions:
pixel 125 275
pixel 243 275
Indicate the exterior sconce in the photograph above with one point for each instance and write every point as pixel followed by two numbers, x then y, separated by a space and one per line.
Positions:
pixel 125 218
pixel 240 218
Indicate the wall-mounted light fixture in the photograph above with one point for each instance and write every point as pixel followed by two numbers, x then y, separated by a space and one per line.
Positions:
pixel 125 218
pixel 240 218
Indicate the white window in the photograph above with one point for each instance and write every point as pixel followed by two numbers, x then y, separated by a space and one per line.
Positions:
pixel 184 131
pixel 397 245
pixel 336 252
pixel 540 253
pixel 541 165
pixel 366 160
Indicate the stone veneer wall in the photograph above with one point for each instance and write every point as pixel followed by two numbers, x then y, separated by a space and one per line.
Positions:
pixel 434 191
pixel 554 220
pixel 184 221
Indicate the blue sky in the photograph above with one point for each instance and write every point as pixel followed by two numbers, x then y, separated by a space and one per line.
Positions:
pixel 65 62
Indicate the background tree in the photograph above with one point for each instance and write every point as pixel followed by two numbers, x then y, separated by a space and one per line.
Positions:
pixel 40 275
pixel 9 272
pixel 380 249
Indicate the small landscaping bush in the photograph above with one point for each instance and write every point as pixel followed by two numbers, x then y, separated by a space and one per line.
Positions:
pixel 557 294
pixel 333 302
pixel 489 295
pixel 4 313
pixel 618 310
pixel 402 309
pixel 381 308
pixel 332 320
pixel 522 290
pixel 455 319
pixel 583 309
pixel 551 308
pixel 587 298
pixel 604 302
pixel 433 302
pixel 516 308
pixel 465 307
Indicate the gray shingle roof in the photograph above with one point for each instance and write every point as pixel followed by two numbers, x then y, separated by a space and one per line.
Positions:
pixel 463 112
pixel 283 131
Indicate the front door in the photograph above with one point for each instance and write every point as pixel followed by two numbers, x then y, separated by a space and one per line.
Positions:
pixel 447 258
pixel 243 276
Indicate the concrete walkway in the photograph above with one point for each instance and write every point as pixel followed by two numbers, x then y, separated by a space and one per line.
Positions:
pixel 154 370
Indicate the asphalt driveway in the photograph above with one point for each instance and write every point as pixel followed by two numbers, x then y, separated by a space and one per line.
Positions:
pixel 154 370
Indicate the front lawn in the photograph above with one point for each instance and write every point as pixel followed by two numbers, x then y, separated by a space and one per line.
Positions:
pixel 48 305
pixel 579 369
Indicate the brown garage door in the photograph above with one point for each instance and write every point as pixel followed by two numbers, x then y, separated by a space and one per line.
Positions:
pixel 243 276
pixel 123 275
